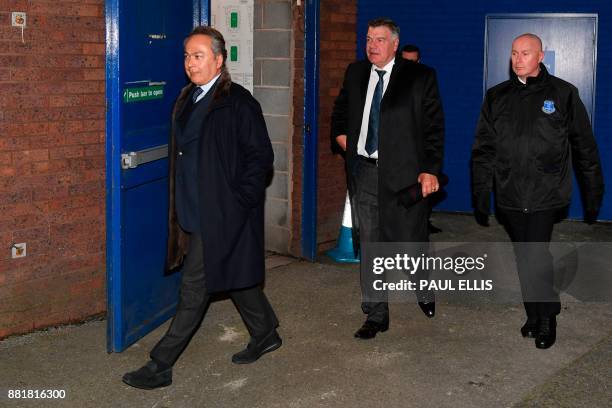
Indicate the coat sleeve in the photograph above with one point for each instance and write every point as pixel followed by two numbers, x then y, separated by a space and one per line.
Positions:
pixel 433 126
pixel 257 157
pixel 483 151
pixel 585 155
pixel 339 118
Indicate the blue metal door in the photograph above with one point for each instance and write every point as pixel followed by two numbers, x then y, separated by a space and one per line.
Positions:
pixel 570 50
pixel 144 76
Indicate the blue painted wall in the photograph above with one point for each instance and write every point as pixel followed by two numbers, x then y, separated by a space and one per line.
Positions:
pixel 450 34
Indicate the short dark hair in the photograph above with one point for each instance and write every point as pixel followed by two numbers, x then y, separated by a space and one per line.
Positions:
pixel 217 40
pixel 411 48
pixel 385 22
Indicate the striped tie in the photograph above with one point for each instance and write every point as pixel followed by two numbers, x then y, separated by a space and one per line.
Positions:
pixel 373 123
pixel 197 92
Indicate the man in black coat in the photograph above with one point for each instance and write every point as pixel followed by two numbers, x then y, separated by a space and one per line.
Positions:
pixel 411 52
pixel 388 120
pixel 531 128
pixel 220 160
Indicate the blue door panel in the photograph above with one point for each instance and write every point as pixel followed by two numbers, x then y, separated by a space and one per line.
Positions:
pixel 149 297
pixel 145 173
pixel 144 49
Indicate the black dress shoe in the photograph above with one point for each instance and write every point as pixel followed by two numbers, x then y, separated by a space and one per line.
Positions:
pixel 149 377
pixel 432 228
pixel 530 328
pixel 428 308
pixel 547 332
pixel 256 349
pixel 369 329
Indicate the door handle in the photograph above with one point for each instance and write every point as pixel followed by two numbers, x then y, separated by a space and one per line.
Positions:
pixel 132 160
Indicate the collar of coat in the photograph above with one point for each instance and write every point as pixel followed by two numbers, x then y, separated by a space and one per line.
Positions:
pixel 220 95
pixel 532 82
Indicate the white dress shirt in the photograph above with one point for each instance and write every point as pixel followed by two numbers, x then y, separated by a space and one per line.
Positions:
pixel 206 87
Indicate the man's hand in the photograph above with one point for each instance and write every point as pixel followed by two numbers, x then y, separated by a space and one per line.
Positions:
pixel 341 140
pixel 429 183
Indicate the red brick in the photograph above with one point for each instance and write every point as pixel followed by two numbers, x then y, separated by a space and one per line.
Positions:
pixel 6 158
pixel 60 8
pixel 18 196
pixel 88 163
pixel 88 286
pixel 31 234
pixel 12 60
pixel 53 166
pixel 83 87
pixel 94 74
pixel 51 139
pixel 82 138
pixel 86 188
pixel 94 150
pixel 24 101
pixel 50 193
pixel 84 61
pixel 12 211
pixel 93 48
pixel 64 100
pixel 7 5
pixel 31 155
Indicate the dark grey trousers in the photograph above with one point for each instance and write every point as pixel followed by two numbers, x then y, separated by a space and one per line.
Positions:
pixel 252 304
pixel 410 225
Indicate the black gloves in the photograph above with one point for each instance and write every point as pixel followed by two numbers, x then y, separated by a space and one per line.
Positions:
pixel 481 201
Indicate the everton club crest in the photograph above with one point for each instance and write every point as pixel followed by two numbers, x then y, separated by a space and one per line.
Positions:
pixel 548 107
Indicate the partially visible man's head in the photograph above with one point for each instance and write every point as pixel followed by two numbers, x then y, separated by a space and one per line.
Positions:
pixel 411 52
pixel 382 41
pixel 526 55
pixel 205 54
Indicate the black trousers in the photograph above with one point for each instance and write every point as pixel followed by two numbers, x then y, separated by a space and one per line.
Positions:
pixel 252 304
pixel 531 234
pixel 409 225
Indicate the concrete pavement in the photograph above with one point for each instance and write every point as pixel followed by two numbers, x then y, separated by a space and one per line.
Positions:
pixel 469 355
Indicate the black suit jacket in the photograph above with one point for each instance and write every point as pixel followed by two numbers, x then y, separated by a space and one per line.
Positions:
pixel 411 133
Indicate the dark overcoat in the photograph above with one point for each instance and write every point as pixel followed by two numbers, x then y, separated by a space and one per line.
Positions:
pixel 235 162
pixel 411 132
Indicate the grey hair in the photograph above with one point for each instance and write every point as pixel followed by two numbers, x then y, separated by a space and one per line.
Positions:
pixel 386 22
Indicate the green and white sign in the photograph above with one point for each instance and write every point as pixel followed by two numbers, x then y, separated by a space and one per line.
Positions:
pixel 143 93
pixel 234 18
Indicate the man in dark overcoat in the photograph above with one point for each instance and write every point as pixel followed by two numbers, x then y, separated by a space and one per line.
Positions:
pixel 388 120
pixel 220 162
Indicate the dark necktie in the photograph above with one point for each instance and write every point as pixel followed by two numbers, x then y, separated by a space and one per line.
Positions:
pixel 197 92
pixel 373 123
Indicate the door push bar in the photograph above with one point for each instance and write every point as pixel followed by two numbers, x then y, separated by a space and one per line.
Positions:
pixel 132 160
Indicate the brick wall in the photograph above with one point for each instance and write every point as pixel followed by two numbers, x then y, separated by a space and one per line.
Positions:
pixel 338 49
pixel 338 22
pixel 52 163
pixel 298 123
